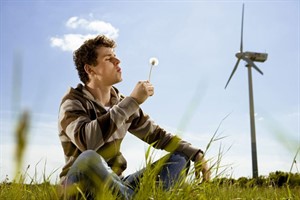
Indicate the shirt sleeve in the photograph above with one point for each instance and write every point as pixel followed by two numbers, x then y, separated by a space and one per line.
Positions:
pixel 77 124
pixel 145 128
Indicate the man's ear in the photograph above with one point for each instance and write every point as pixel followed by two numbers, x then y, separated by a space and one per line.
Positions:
pixel 88 69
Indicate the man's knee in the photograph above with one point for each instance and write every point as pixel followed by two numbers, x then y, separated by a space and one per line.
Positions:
pixel 89 154
pixel 88 159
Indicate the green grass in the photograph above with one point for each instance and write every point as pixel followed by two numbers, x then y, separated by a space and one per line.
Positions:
pixel 278 185
pixel 46 191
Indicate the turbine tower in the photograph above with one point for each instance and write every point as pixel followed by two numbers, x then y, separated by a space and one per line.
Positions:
pixel 250 58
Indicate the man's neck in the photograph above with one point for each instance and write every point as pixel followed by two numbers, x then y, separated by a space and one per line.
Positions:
pixel 100 93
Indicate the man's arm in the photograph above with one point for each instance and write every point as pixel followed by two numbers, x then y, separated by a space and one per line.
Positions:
pixel 87 133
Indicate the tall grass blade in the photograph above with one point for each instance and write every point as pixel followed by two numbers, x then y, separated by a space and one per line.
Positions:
pixel 21 135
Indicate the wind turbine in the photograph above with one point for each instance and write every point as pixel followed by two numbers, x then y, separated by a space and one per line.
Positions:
pixel 250 58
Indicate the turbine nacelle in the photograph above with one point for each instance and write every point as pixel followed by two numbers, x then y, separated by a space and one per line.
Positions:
pixel 254 56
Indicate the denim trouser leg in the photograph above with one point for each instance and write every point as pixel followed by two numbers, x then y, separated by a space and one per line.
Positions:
pixel 170 173
pixel 92 171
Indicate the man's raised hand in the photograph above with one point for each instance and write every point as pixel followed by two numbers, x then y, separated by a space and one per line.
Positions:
pixel 142 91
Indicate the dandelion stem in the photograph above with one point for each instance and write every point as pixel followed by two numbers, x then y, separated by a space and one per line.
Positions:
pixel 150 73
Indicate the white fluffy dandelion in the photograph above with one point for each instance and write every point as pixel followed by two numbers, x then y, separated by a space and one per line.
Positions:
pixel 153 62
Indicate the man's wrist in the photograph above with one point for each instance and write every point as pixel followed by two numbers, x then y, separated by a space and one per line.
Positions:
pixel 198 153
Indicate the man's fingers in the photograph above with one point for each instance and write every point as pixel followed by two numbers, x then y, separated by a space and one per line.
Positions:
pixel 148 87
pixel 201 166
pixel 151 90
pixel 142 91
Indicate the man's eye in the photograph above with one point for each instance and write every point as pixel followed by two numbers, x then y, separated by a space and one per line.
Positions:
pixel 110 59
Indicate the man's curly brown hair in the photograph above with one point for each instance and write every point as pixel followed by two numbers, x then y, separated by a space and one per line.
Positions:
pixel 86 54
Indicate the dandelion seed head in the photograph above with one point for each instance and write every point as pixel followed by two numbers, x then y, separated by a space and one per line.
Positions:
pixel 153 61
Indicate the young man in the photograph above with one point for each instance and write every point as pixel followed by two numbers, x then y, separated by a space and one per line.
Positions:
pixel 94 118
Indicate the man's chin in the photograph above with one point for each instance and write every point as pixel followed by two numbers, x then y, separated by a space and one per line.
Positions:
pixel 120 80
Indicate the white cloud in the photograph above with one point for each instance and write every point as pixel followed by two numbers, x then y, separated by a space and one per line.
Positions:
pixel 95 25
pixel 71 41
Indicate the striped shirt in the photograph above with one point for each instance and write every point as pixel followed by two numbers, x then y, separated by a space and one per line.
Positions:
pixel 84 124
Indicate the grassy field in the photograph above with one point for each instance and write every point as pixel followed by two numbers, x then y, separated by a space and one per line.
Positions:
pixel 46 191
pixel 277 185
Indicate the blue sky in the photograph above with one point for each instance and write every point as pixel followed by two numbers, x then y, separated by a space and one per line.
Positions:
pixel 195 43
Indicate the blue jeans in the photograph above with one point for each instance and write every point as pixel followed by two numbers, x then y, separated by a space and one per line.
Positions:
pixel 90 173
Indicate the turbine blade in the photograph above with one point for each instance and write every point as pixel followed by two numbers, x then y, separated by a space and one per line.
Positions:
pixel 250 62
pixel 233 71
pixel 242 30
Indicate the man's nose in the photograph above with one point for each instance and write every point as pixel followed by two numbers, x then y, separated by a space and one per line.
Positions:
pixel 116 61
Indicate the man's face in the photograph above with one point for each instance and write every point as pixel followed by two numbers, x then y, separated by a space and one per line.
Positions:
pixel 107 70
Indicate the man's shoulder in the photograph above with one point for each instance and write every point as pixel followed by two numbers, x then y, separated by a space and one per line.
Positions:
pixel 73 93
